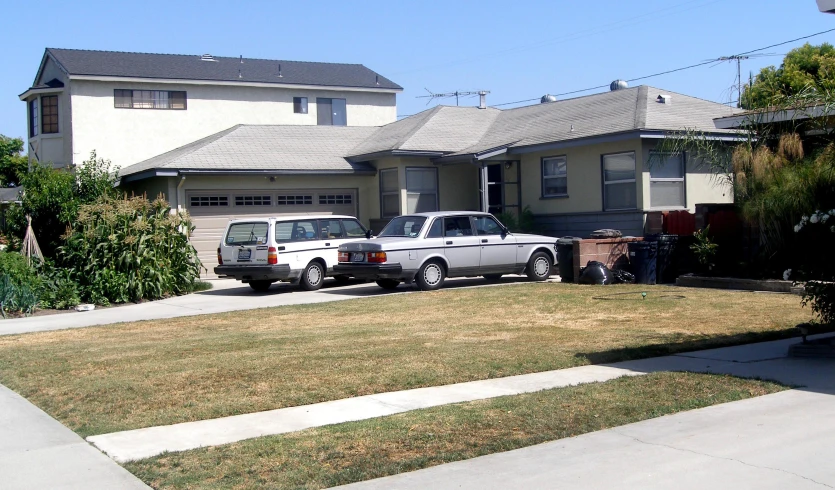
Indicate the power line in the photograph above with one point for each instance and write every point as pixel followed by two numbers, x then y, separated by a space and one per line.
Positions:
pixel 721 58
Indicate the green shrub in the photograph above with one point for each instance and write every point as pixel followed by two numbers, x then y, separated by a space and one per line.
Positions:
pixel 17 267
pixel 57 290
pixel 820 296
pixel 19 284
pixel 525 223
pixel 129 250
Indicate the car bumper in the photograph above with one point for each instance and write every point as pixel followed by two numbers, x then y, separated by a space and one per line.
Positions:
pixel 248 273
pixel 370 271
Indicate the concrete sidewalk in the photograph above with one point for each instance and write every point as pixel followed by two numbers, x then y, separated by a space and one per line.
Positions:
pixel 765 360
pixel 37 452
pixel 225 296
pixel 778 441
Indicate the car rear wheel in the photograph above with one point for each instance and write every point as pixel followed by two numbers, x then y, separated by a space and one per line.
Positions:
pixel 492 277
pixel 430 276
pixel 260 286
pixel 388 283
pixel 539 267
pixel 312 276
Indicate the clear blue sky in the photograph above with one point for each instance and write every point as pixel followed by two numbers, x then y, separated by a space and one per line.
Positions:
pixel 518 49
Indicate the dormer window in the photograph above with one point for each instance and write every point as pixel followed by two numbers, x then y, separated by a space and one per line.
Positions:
pixel 149 99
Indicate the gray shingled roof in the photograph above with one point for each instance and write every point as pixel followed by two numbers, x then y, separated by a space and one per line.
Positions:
pixel 599 114
pixel 10 194
pixel 440 129
pixel 191 67
pixel 314 149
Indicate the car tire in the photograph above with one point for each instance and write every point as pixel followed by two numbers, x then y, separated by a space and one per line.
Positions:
pixel 539 267
pixel 493 277
pixel 260 286
pixel 389 284
pixel 430 276
pixel 342 279
pixel 312 276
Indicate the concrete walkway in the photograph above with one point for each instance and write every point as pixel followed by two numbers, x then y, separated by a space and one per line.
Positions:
pixel 226 295
pixel 37 452
pixel 763 360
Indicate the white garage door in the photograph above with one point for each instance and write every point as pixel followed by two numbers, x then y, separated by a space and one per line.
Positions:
pixel 212 210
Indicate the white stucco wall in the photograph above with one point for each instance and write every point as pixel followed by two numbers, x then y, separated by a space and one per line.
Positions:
pixel 128 136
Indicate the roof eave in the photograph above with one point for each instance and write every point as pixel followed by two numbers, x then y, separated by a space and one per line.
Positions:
pixel 244 83
pixel 45 90
pixel 394 153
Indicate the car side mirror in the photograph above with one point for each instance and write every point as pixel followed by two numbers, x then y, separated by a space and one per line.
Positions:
pixel 368 234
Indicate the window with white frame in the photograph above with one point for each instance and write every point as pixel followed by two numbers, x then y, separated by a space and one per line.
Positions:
pixel 554 176
pixel 389 193
pixel 666 181
pixel 619 187
pixel 421 190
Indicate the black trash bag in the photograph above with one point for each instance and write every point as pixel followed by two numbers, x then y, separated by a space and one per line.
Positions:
pixel 596 273
pixel 623 277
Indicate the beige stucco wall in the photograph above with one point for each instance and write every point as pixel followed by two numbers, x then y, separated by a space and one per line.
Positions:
pixel 585 192
pixel 128 136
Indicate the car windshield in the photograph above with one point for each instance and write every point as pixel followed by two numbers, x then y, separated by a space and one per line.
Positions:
pixel 406 226
pixel 247 233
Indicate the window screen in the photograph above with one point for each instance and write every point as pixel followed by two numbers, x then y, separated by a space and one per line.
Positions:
pixel 554 176
pixel 421 190
pixel 666 182
pixel 619 188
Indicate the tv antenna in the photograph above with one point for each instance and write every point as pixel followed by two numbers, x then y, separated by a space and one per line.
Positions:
pixel 457 94
pixel 738 58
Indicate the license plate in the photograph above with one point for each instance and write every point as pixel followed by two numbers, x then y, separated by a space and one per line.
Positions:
pixel 357 257
pixel 245 254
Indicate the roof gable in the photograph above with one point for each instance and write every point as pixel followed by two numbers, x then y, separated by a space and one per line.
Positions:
pixel 222 69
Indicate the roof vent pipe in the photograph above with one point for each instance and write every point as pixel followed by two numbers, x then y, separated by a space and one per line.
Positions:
pixel 482 99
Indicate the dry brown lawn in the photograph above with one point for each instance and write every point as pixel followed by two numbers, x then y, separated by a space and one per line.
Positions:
pixel 124 376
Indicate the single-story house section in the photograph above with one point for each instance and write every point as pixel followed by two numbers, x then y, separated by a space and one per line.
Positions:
pixel 579 164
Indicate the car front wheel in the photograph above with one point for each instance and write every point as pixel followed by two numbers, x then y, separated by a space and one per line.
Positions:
pixel 312 276
pixel 539 267
pixel 430 276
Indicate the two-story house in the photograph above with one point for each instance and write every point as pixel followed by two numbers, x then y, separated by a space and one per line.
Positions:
pixel 129 107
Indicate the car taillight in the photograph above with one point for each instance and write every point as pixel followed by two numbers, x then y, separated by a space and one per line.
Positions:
pixel 219 257
pixel 376 257
pixel 272 256
pixel 343 256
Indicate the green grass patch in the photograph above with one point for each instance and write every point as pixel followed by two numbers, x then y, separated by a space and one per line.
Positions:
pixel 126 376
pixel 357 451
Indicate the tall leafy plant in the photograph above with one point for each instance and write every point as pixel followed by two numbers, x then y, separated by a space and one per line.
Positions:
pixel 130 249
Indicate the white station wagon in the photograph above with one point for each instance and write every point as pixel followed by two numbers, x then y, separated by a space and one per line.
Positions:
pixel 426 248
pixel 303 249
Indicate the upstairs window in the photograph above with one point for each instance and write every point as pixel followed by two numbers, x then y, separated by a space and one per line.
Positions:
pixel 33 117
pixel 331 112
pixel 149 99
pixel 619 187
pixel 49 114
pixel 300 105
pixel 666 182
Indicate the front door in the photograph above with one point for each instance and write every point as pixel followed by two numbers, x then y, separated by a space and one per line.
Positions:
pixel 495 189
pixel 462 246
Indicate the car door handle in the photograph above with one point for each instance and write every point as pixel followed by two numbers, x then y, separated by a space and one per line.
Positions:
pixel 449 242
pixel 327 244
pixel 484 240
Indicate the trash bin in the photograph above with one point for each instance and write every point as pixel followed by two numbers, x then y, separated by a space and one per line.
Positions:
pixel 565 258
pixel 666 265
pixel 642 256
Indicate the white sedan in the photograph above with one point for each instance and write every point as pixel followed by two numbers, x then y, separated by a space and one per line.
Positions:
pixel 426 248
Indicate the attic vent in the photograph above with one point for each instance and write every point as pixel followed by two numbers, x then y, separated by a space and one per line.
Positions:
pixel 208 57
pixel 664 99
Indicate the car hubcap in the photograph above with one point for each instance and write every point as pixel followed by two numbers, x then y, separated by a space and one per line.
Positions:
pixel 432 274
pixel 540 267
pixel 314 275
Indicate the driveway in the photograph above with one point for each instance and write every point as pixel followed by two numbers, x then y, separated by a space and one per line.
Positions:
pixel 225 295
